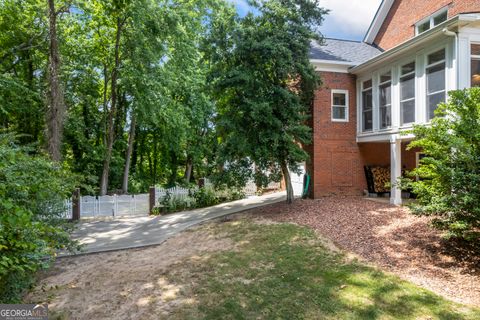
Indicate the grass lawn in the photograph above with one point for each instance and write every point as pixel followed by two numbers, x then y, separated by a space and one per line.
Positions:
pixel 285 271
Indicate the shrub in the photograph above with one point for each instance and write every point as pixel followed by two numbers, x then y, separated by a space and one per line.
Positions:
pixel 448 187
pixel 197 198
pixel 172 203
pixel 32 195
pixel 205 197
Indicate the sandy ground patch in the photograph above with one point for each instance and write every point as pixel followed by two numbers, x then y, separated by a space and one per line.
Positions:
pixel 129 284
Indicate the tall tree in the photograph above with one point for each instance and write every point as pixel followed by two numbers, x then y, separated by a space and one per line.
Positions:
pixel 264 84
pixel 56 103
pixel 110 135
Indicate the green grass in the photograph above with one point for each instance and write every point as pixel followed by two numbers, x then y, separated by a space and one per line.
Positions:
pixel 283 271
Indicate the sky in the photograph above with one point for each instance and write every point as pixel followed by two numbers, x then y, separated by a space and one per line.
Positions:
pixel 348 19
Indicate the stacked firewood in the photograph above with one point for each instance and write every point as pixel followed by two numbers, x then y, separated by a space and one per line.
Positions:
pixel 381 177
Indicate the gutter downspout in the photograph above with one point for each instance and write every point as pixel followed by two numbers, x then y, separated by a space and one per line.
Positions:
pixel 457 66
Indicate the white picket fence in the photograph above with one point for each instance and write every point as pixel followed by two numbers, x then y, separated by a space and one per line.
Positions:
pixel 176 192
pixel 67 214
pixel 114 206
pixel 138 204
pixel 110 206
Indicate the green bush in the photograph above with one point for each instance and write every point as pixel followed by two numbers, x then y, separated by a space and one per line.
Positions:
pixel 205 197
pixel 197 198
pixel 32 195
pixel 449 182
pixel 172 203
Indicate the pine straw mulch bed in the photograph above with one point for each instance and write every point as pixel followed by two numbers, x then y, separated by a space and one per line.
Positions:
pixel 391 238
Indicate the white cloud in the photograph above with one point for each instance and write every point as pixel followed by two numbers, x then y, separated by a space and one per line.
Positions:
pixel 348 17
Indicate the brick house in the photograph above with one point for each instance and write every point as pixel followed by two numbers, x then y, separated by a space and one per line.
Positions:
pixel 414 52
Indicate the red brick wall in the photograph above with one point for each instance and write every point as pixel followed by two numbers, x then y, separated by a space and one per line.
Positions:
pixel 336 166
pixel 336 160
pixel 399 25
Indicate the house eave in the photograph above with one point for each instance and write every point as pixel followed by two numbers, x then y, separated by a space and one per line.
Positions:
pixel 332 65
pixel 377 21
pixel 451 24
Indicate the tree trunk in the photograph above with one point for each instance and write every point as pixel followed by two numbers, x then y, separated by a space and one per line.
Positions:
pixel 288 182
pixel 103 125
pixel 111 115
pixel 133 164
pixel 128 156
pixel 56 103
pixel 188 169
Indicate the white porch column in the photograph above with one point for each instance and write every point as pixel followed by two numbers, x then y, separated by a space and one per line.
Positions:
pixel 395 169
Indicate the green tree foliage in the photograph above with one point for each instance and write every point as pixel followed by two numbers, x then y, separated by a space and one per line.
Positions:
pixel 448 187
pixel 32 195
pixel 137 62
pixel 264 85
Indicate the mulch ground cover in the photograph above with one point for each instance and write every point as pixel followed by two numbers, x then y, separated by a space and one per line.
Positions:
pixel 391 238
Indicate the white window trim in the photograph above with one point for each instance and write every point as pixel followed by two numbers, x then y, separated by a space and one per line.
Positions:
pixel 428 66
pixel 380 84
pixel 472 57
pixel 362 107
pixel 430 20
pixel 345 92
pixel 414 98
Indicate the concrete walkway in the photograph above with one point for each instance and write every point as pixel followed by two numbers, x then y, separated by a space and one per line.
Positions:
pixel 135 232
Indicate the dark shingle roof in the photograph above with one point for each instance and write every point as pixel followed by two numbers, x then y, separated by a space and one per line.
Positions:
pixel 354 52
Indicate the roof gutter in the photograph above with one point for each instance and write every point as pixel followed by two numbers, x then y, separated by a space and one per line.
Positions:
pixel 454 34
pixel 453 22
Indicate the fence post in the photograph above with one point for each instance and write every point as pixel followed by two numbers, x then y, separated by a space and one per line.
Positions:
pixel 151 199
pixel 76 205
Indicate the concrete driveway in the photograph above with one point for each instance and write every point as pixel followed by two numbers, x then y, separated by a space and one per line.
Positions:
pixel 134 232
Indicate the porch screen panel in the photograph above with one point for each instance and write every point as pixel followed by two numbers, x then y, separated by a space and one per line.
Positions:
pixel 435 82
pixel 385 98
pixel 407 94
pixel 475 65
pixel 367 106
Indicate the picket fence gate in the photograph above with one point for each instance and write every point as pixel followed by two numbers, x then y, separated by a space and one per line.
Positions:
pixel 109 206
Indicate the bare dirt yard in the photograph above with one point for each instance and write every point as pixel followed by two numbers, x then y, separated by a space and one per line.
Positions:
pixel 128 284
pixel 393 239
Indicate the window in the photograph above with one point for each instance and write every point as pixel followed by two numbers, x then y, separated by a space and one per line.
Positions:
pixel 475 65
pixel 435 71
pixel 385 98
pixel 367 106
pixel 407 93
pixel 432 21
pixel 340 105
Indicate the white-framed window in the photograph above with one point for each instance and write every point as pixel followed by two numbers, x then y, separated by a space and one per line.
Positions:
pixel 475 64
pixel 431 21
pixel 385 99
pixel 367 106
pixel 407 93
pixel 436 81
pixel 340 105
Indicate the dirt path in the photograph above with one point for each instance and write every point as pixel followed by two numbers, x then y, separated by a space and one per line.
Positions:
pixel 392 239
pixel 127 284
